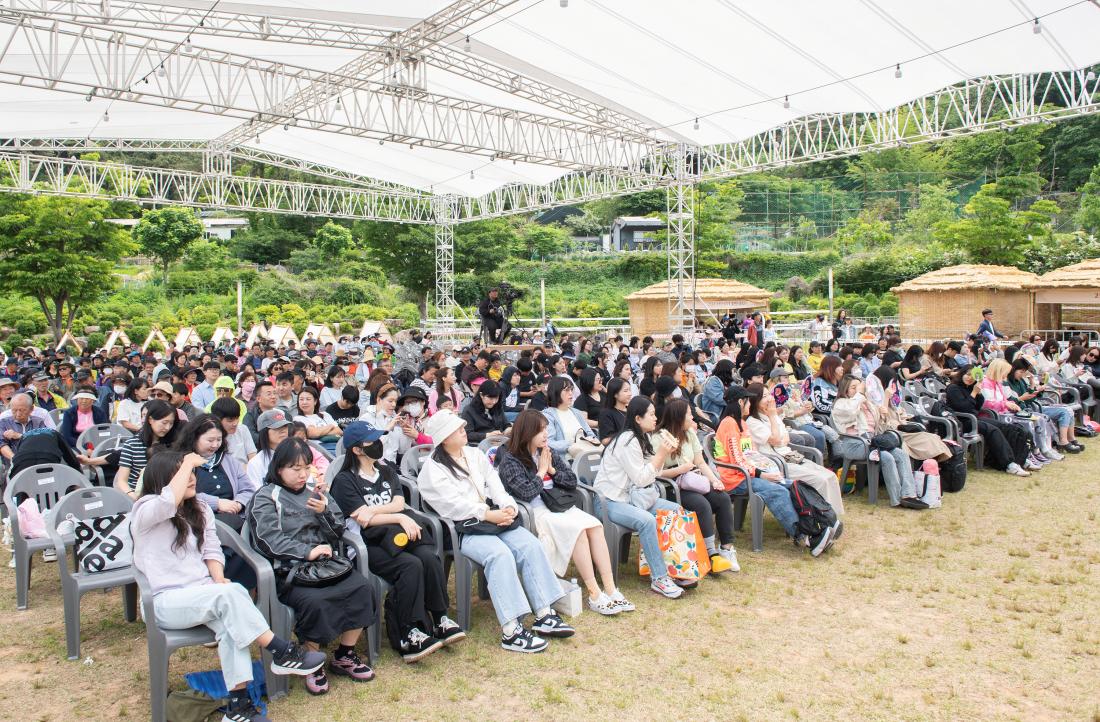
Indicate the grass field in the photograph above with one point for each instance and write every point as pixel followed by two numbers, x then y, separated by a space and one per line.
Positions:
pixel 983 610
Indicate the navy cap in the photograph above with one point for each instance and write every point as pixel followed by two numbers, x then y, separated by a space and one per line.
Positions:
pixel 360 432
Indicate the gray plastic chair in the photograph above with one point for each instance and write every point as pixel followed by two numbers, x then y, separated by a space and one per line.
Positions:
pixel 618 537
pixel 849 462
pixel 749 501
pixel 329 456
pixel 162 642
pixel 55 415
pixel 75 583
pixel 46 483
pixel 96 435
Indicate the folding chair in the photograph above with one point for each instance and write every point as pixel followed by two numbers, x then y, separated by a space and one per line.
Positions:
pixel 847 462
pixel 96 435
pixel 46 484
pixel 80 505
pixel 741 501
pixel 162 642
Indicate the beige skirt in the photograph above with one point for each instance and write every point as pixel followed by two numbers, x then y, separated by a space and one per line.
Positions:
pixel 921 445
pixel 559 531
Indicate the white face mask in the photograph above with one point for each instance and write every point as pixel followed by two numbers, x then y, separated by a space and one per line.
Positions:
pixel 414 409
pixel 120 390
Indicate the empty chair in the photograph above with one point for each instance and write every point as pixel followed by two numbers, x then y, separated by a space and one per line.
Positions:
pixel 76 579
pixel 46 484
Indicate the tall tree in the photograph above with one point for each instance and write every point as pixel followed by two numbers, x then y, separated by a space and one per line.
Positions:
pixel 165 234
pixel 60 252
pixel 991 232
pixel 1088 217
pixel 333 239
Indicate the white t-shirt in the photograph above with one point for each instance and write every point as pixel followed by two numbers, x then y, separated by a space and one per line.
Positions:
pixel 240 444
pixel 569 424
pixel 130 412
pixel 321 419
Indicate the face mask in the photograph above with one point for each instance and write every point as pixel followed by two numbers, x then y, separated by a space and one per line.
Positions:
pixel 414 409
pixel 373 449
pixel 120 390
pixel 248 387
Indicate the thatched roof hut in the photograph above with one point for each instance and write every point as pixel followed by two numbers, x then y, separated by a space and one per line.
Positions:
pixel 1069 297
pixel 948 303
pixel 713 297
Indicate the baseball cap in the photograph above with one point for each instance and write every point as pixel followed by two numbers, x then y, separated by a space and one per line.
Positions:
pixel 274 419
pixel 41 376
pixel 360 432
pixel 777 372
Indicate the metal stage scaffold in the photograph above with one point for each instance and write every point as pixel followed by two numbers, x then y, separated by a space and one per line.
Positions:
pixel 173 56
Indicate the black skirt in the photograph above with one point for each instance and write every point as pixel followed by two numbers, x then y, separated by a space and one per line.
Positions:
pixel 321 614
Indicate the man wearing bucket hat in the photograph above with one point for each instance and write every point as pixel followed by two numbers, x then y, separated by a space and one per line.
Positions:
pixel 401 544
pixel 460 484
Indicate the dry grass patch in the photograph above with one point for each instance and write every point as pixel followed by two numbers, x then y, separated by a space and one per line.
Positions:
pixel 982 610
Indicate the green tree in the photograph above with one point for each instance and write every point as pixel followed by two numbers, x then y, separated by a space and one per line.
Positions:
pixel 541 241
pixel 333 239
pixel 165 233
pixel 936 206
pixel 717 206
pixel 267 244
pixel 60 252
pixel 991 232
pixel 864 232
pixel 204 255
pixel 1088 217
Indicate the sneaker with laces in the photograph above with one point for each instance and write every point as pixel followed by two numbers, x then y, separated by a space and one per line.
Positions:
pixel 552 626
pixel 49 555
pixel 448 631
pixel 666 587
pixel 522 640
pixel 604 605
pixel 1053 455
pixel 719 563
pixel 416 646
pixel 821 542
pixel 350 665
pixel 1015 469
pixel 621 602
pixel 317 682
pixel 730 555
pixel 243 713
pixel 298 661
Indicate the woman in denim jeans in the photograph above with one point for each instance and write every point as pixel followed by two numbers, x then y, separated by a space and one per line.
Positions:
pixel 627 480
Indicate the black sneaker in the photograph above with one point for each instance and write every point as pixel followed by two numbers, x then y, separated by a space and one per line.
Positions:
pixel 552 626
pixel 913 503
pixel 448 631
pixel 685 583
pixel 298 661
pixel 243 713
pixel 821 542
pixel 838 530
pixel 523 641
pixel 416 646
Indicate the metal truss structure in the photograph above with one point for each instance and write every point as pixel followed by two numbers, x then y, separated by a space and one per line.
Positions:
pixel 382 94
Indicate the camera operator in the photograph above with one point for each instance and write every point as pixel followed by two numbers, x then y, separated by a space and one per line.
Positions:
pixel 492 315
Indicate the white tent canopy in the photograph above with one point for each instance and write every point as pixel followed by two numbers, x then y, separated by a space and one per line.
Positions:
pixel 714 71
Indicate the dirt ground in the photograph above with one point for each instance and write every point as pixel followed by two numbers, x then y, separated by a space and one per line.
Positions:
pixel 983 610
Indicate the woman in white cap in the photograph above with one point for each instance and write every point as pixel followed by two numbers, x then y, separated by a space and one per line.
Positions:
pixel 80 416
pixel 460 484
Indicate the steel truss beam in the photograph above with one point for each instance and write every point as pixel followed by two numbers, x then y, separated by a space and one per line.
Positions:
pixel 25 173
pixel 681 243
pixel 225 21
pixel 248 155
pixel 452 19
pixel 124 68
pixel 445 209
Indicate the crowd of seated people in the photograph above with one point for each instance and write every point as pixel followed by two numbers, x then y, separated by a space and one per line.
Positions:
pixel 245 435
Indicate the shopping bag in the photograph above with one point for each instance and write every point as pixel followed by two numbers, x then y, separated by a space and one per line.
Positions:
pixel 104 542
pixel 847 485
pixel 31 523
pixel 932 495
pixel 685 553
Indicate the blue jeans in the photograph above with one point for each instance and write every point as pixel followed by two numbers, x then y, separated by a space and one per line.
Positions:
pixel 645 523
pixel 1060 415
pixel 510 416
pixel 819 438
pixel 777 498
pixel 516 568
pixel 896 469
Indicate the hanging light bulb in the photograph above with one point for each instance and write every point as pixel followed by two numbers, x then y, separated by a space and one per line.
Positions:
pixel 696 126
pixel 381 142
pixel 286 126
pixel 88 97
pixel 471 175
pixel 338 106
pixel 786 101
pixel 160 71
pixel 187 45
pixel 897 70
pixel 563 3
pixel 106 117
pixel 1090 76
pixel 1036 27
pixel 466 45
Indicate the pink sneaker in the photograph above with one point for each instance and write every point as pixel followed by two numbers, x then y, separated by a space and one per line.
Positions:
pixel 351 666
pixel 316 682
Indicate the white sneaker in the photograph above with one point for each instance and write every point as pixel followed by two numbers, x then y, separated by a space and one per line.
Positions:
pixel 621 602
pixel 604 605
pixel 1015 468
pixel 11 564
pixel 730 555
pixel 1054 455
pixel 49 555
pixel 7 532
pixel 667 587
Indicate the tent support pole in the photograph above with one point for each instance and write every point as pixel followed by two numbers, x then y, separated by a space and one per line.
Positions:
pixel 681 241
pixel 445 210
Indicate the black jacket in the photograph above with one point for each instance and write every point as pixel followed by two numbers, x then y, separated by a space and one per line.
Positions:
pixel 479 422
pixel 959 399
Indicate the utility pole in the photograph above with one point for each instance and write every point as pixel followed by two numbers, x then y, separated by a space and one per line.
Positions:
pixel 830 294
pixel 240 310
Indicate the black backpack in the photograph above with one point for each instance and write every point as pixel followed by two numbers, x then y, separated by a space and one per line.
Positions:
pixel 953 471
pixel 815 515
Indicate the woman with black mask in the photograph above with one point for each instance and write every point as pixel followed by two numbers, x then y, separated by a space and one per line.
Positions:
pixel 400 544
